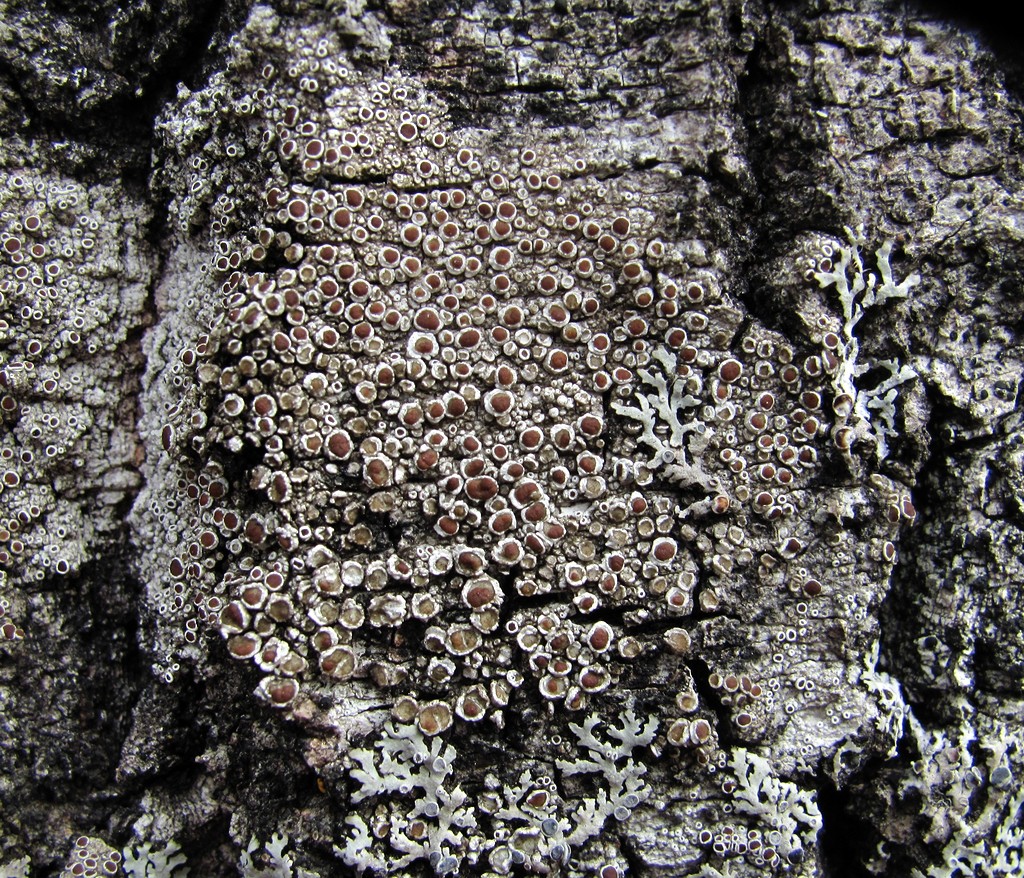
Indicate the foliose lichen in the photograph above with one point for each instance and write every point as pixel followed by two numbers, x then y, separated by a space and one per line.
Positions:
pixel 279 862
pixel 431 828
pixel 862 412
pixel 15 868
pixel 149 861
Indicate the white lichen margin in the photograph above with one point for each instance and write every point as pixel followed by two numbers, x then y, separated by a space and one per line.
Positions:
pixel 873 410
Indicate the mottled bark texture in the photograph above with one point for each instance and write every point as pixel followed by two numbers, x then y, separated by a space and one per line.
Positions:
pixel 576 438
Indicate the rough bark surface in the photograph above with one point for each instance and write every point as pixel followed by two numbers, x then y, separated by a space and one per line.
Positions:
pixel 576 438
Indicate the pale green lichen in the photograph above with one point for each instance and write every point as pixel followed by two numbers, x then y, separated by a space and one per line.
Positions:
pixel 623 776
pixel 999 855
pixel 789 814
pixel 279 862
pixel 148 861
pixel 442 826
pixel 670 401
pixel 15 869
pixel 433 828
pixel 981 834
pixel 873 412
pixel 889 698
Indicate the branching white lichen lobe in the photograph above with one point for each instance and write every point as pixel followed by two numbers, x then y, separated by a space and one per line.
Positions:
pixel 869 411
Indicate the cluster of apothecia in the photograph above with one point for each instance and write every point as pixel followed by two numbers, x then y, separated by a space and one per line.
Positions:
pixel 467 431
pixel 69 291
pixel 471 381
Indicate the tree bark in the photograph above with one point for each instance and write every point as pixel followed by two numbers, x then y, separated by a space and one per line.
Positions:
pixel 498 438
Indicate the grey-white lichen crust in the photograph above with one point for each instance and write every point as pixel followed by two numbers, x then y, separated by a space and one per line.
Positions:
pixel 457 431
pixel 556 558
